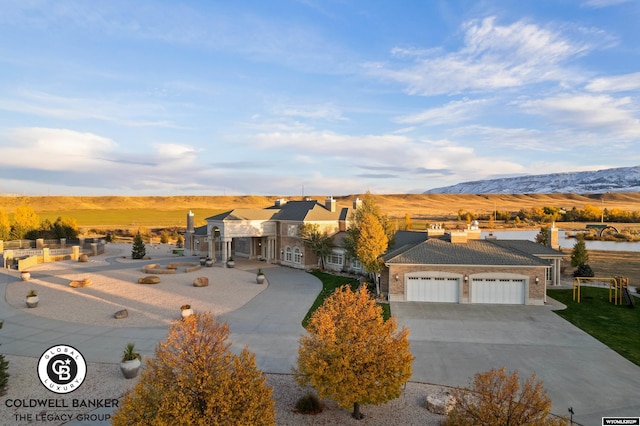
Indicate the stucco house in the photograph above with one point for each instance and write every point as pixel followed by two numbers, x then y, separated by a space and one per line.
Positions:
pixel 460 267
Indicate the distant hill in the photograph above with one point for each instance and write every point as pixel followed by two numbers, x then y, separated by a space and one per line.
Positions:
pixel 623 179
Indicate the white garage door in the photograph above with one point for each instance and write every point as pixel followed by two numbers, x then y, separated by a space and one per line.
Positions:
pixel 497 290
pixel 432 289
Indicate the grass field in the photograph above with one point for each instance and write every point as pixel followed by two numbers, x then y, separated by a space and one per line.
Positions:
pixel 123 212
pixel 617 326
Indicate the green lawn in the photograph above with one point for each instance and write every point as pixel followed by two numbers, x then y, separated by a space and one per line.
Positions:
pixel 618 327
pixel 329 284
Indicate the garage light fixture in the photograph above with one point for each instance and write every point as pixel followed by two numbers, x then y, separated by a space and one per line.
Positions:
pixel 537 280
pixel 466 278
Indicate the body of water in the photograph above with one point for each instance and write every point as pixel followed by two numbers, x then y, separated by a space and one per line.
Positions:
pixel 565 243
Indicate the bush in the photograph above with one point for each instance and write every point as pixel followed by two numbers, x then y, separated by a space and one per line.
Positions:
pixel 308 404
pixel 497 398
pixel 4 375
pixel 584 270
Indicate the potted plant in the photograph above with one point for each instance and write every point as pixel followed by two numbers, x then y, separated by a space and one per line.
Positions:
pixel 203 260
pixel 209 262
pixel 32 299
pixel 25 275
pixel 131 361
pixel 260 277
pixel 230 262
pixel 186 311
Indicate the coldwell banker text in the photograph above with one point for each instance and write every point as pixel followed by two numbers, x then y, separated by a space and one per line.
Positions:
pixel 57 404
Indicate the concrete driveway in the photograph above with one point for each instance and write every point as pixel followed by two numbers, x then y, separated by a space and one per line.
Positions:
pixel 452 342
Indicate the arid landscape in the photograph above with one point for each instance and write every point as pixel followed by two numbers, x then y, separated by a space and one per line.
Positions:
pixel 116 211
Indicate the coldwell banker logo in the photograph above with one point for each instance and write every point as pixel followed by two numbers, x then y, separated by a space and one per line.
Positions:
pixel 62 369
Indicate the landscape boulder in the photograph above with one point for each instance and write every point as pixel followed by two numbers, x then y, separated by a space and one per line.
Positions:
pixel 201 282
pixel 440 403
pixel 83 258
pixel 121 314
pixel 80 283
pixel 149 279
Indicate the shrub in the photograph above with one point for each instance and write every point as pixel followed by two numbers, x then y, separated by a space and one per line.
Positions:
pixel 4 374
pixel 584 270
pixel 308 404
pixel 497 398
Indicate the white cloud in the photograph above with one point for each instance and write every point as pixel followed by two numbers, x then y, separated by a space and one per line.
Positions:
pixel 453 112
pixel 620 83
pixel 615 116
pixel 56 150
pixel 492 57
pixel 326 111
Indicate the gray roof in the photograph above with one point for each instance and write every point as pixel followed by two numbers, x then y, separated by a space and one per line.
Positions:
pixel 200 230
pixel 294 211
pixel 403 238
pixel 529 247
pixel 474 252
pixel 243 214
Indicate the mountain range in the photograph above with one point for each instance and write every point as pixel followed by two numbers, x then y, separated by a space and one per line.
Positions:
pixel 622 179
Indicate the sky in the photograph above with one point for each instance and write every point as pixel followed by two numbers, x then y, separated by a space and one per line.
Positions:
pixel 311 97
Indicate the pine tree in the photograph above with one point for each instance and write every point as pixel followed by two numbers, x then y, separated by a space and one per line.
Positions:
pixel 579 254
pixel 351 355
pixel 138 251
pixel 195 379
pixel 495 398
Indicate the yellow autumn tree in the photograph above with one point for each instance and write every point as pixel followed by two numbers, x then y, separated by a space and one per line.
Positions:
pixel 372 243
pixel 495 398
pixel 195 380
pixel 351 355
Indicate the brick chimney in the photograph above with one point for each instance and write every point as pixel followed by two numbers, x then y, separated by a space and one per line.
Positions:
pixel 330 204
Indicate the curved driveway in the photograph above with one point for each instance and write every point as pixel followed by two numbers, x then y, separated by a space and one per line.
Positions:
pixel 270 324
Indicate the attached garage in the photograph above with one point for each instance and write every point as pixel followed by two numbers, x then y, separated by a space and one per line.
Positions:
pixel 432 289
pixel 506 291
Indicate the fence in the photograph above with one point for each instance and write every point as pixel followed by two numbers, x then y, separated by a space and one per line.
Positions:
pixel 23 256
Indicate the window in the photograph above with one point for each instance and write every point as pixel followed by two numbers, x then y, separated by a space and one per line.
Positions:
pixel 336 259
pixel 297 256
pixel 355 264
pixel 287 254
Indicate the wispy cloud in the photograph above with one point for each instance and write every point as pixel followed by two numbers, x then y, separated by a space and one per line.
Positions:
pixel 604 3
pixel 615 116
pixel 125 111
pixel 492 57
pixel 453 112
pixel 620 83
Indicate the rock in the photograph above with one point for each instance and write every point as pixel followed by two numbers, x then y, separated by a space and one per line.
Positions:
pixel 83 258
pixel 201 282
pixel 440 403
pixel 80 283
pixel 121 314
pixel 149 279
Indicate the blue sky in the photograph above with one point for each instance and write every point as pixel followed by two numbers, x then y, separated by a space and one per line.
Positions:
pixel 311 97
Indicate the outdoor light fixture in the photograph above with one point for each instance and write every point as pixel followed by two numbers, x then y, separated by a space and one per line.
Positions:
pixel 537 280
pixel 466 278
pixel 396 277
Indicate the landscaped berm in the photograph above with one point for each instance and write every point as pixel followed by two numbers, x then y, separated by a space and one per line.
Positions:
pixel 116 287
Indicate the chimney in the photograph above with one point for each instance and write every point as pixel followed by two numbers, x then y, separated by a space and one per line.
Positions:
pixel 357 203
pixel 330 204
pixel 190 222
pixel 281 202
pixel 553 237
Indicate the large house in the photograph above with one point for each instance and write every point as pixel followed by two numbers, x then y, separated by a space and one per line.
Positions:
pixel 433 266
pixel 271 234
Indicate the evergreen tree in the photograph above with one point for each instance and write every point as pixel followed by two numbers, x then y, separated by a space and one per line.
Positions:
pixel 351 355
pixel 138 251
pixel 195 379
pixel 579 254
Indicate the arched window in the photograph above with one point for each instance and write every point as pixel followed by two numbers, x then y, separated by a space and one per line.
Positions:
pixel 297 255
pixel 287 254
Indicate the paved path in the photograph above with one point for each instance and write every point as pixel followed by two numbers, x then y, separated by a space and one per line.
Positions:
pixel 269 324
pixel 453 342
